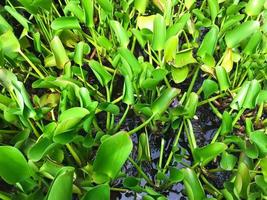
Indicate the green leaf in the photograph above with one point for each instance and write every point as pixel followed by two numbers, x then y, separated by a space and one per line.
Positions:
pixel 128 91
pixel 161 104
pixel 179 74
pixel 141 5
pixel 22 20
pixel 253 42
pixel 222 77
pixel 5 26
pixel 109 107
pixel 226 126
pixel 88 7
pixel 260 139
pixel 13 165
pixel 120 33
pixel 102 75
pixel 178 26
pixel 192 185
pixel 106 5
pixel 214 9
pixel 228 161
pixel 242 180
pixel 189 3
pixel 170 48
pixel 207 153
pixel 209 42
pixel 9 44
pixel 61 187
pixel 100 192
pixel 62 59
pixel 65 23
pixel 176 175
pixel 191 105
pixel 159 33
pixel 143 148
pixel 184 58
pixel 68 121
pixel 209 88
pixel 42 147
pixel 254 7
pixel 111 156
pixel 33 6
pixel 240 33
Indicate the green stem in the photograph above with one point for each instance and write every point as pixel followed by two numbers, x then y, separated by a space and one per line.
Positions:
pixel 122 119
pixel 74 154
pixel 161 152
pixel 240 112
pixel 190 88
pixel 31 64
pixel 141 172
pixel 141 126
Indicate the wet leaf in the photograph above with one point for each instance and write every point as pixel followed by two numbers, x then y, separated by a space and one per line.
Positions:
pixel 111 156
pixel 61 187
pixel 13 165
pixel 192 185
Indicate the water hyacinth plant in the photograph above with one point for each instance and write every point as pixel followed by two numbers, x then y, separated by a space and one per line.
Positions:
pixel 133 99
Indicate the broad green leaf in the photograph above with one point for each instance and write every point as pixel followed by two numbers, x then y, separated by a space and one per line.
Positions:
pixel 242 180
pixel 120 33
pixel 260 139
pixel 22 20
pixel 253 42
pixel 65 23
pixel 259 180
pixel 102 75
pixel 179 74
pixel 229 23
pixel 193 187
pixel 106 5
pixel 146 22
pixel 33 6
pixel 251 150
pixel 100 192
pixel 143 148
pixel 13 165
pixel 254 7
pixel 131 60
pixel 240 33
pixel 191 105
pixel 228 161
pixel 209 42
pixel 80 49
pixel 184 58
pixel 4 25
pixel 209 88
pixel 62 59
pixel 88 7
pixel 178 26
pixel 262 97
pixel 68 121
pixel 159 33
pixel 109 107
pixel 42 147
pixel 222 78
pixel 74 8
pixel 61 187
pixel 111 156
pixel 132 183
pixel 9 44
pixel 170 48
pixel 226 126
pixel 161 104
pixel 214 9
pixel 189 3
pixel 176 175
pixel 104 42
pixel 207 153
pixel 128 91
pixel 141 5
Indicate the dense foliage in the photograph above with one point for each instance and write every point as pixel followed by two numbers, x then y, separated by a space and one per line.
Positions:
pixel 91 89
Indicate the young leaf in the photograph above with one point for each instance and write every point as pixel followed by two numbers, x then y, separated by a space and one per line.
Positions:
pixel 209 88
pixel 103 76
pixel 222 77
pixel 161 104
pixel 61 187
pixel 240 33
pixel 100 192
pixel 65 23
pixel 159 33
pixel 62 59
pixel 120 33
pixel 111 156
pixel 13 166
pixel 192 185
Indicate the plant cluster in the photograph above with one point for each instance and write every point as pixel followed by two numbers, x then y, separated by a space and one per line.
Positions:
pixel 87 86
